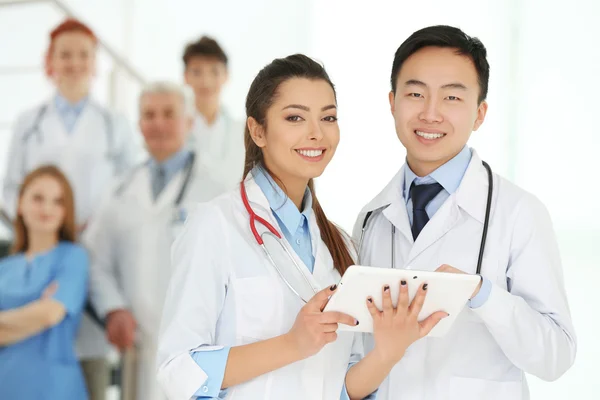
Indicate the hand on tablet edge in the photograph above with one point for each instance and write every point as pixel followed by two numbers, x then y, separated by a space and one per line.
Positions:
pixel 452 270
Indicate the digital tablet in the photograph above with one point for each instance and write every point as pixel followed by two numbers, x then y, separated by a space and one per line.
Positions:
pixel 445 292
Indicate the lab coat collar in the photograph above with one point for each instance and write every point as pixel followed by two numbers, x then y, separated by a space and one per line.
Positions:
pixel 471 195
pixel 64 106
pixel 281 205
pixel 219 123
pixel 256 196
pixel 323 266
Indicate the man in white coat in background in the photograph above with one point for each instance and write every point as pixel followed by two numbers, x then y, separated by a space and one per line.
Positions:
pixel 130 240
pixel 217 137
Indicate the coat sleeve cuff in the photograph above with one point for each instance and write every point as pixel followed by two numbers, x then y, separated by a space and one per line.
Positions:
pixel 213 362
pixel 484 294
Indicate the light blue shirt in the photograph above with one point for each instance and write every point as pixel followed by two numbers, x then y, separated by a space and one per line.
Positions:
pixel 69 113
pixel 44 366
pixel 170 168
pixel 450 176
pixel 292 222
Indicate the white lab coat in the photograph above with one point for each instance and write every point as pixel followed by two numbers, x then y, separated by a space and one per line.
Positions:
pixel 130 243
pixel 525 325
pixel 225 292
pixel 220 146
pixel 100 147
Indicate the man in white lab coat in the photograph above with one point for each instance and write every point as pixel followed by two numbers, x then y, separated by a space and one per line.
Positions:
pixel 130 240
pixel 434 210
pixel 217 137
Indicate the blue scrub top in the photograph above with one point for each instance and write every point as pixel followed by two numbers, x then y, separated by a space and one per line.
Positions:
pixel 44 366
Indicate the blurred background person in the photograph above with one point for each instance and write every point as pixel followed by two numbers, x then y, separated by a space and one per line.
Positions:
pixel 131 238
pixel 43 287
pixel 217 137
pixel 89 143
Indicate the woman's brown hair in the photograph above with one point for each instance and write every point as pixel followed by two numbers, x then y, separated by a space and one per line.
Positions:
pixel 67 229
pixel 261 96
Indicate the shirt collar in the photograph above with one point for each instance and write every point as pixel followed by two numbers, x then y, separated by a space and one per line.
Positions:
pixel 63 105
pixel 448 175
pixel 280 203
pixel 172 164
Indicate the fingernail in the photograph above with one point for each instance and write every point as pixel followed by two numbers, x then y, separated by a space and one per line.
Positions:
pixel 425 286
pixel 386 288
pixel 332 287
pixel 356 322
pixel 370 300
pixel 403 283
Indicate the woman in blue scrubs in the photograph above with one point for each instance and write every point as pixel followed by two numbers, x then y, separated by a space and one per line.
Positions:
pixel 43 288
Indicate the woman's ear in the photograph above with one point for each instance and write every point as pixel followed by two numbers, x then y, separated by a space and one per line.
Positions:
pixel 257 133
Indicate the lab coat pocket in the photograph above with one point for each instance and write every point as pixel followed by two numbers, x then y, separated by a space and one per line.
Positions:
pixel 258 308
pixel 477 389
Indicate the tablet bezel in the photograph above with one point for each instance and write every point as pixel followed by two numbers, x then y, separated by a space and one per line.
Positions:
pixel 447 292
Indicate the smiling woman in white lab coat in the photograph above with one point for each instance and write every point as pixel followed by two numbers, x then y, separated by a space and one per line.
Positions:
pixel 248 321
pixel 432 215
pixel 89 143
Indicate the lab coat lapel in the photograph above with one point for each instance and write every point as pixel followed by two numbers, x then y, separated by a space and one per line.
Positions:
pixel 141 189
pixel 470 196
pixel 394 207
pixel 170 192
pixel 397 214
pixel 261 207
pixel 88 123
pixel 441 223
pixel 53 131
pixel 323 272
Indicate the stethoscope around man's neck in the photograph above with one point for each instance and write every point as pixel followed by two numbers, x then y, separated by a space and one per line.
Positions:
pixel 483 235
